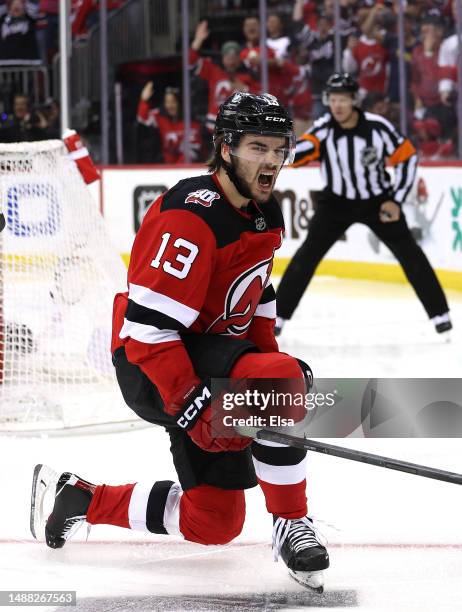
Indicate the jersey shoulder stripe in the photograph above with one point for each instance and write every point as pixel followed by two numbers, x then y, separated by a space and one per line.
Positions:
pixel 320 123
pixel 378 119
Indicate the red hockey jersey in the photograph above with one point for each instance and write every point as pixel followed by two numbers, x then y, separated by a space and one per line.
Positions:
pixel 198 264
pixel 220 84
pixel 372 65
pixel 171 133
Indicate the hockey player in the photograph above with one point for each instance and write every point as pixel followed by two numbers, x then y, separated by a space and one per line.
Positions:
pixel 352 147
pixel 200 304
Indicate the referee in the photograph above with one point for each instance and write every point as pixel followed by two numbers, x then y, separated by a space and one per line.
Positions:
pixel 352 147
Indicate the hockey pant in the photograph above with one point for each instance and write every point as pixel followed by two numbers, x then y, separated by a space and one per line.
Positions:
pixel 209 514
pixel 332 218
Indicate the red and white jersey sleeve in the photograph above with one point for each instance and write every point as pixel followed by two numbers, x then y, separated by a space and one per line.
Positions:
pixel 261 330
pixel 171 263
pixel 146 115
pixel 447 62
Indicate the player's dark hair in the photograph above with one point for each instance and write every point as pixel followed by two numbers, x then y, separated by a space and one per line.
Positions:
pixel 215 161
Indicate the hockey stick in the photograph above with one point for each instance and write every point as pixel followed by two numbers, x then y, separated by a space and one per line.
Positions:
pixel 363 457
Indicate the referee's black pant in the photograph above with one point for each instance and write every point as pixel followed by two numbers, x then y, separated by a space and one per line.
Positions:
pixel 332 218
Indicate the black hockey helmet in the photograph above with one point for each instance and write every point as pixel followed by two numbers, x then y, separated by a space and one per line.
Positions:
pixel 340 82
pixel 245 113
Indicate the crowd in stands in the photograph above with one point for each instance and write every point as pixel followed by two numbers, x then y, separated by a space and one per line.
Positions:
pixel 301 56
pixel 29 39
pixel 28 123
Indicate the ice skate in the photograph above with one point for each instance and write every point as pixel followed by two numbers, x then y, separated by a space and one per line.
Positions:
pixel 443 325
pixel 302 550
pixel 72 497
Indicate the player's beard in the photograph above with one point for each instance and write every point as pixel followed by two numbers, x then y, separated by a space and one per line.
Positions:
pixel 236 171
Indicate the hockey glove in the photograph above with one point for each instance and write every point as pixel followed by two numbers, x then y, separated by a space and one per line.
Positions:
pixel 193 413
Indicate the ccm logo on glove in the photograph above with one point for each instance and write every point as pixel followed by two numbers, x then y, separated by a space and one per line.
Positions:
pixel 194 409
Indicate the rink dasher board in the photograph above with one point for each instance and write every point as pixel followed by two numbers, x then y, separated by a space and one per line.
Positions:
pixel 434 213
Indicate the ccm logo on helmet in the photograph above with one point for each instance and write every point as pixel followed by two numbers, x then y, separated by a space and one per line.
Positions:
pixel 194 409
pixel 278 119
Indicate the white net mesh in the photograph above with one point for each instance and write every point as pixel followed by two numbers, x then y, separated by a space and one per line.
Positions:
pixel 58 277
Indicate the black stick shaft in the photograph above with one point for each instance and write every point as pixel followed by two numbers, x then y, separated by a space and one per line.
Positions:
pixel 361 456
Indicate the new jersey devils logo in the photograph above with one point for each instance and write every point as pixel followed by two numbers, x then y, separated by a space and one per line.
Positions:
pixel 204 197
pixel 242 300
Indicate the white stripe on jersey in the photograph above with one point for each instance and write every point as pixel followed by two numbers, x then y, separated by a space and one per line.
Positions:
pixel 172 510
pixel 267 310
pixel 147 333
pixel 351 168
pixel 342 148
pixel 280 474
pixel 162 303
pixel 138 505
pixel 332 153
pixel 376 177
pixel 359 170
pixel 400 193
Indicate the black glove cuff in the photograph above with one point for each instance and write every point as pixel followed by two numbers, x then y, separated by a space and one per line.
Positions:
pixel 198 401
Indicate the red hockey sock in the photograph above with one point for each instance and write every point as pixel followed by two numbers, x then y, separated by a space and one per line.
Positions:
pixel 209 515
pixel 288 501
pixel 109 505
pixel 280 469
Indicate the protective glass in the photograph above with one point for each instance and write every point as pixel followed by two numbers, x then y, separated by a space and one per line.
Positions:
pixel 266 149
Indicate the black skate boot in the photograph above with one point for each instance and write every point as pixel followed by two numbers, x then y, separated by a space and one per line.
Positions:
pixel 442 323
pixel 72 497
pixel 302 550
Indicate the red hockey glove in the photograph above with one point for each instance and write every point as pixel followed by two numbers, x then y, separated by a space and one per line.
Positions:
pixel 195 416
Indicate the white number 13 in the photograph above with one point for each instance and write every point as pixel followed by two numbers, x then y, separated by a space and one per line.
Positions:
pixel 185 260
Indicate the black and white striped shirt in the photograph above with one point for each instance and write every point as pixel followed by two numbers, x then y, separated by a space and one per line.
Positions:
pixel 353 160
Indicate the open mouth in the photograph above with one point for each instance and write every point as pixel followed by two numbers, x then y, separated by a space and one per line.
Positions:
pixel 265 180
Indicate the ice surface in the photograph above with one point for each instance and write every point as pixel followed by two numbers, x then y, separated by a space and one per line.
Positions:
pixel 395 539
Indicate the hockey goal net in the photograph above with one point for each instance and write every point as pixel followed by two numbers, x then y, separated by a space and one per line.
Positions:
pixel 58 277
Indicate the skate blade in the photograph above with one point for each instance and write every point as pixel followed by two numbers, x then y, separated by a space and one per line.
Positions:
pixel 44 482
pixel 311 580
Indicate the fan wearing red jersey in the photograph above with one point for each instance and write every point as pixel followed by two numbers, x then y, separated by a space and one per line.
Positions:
pixel 222 79
pixel 168 121
pixel 200 304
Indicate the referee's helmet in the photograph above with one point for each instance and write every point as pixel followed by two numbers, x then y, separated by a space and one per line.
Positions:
pixel 340 82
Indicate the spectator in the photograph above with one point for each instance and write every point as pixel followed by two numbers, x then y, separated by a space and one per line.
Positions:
pixel 347 16
pixel 276 40
pixel 222 81
pixel 47 29
pixel 425 69
pixel 318 48
pixel 17 33
pixel 368 59
pixel 23 124
pixel 286 80
pixel 85 14
pixel 447 62
pixel 380 105
pixel 381 22
pixel 32 7
pixel 168 121
pixel 53 119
